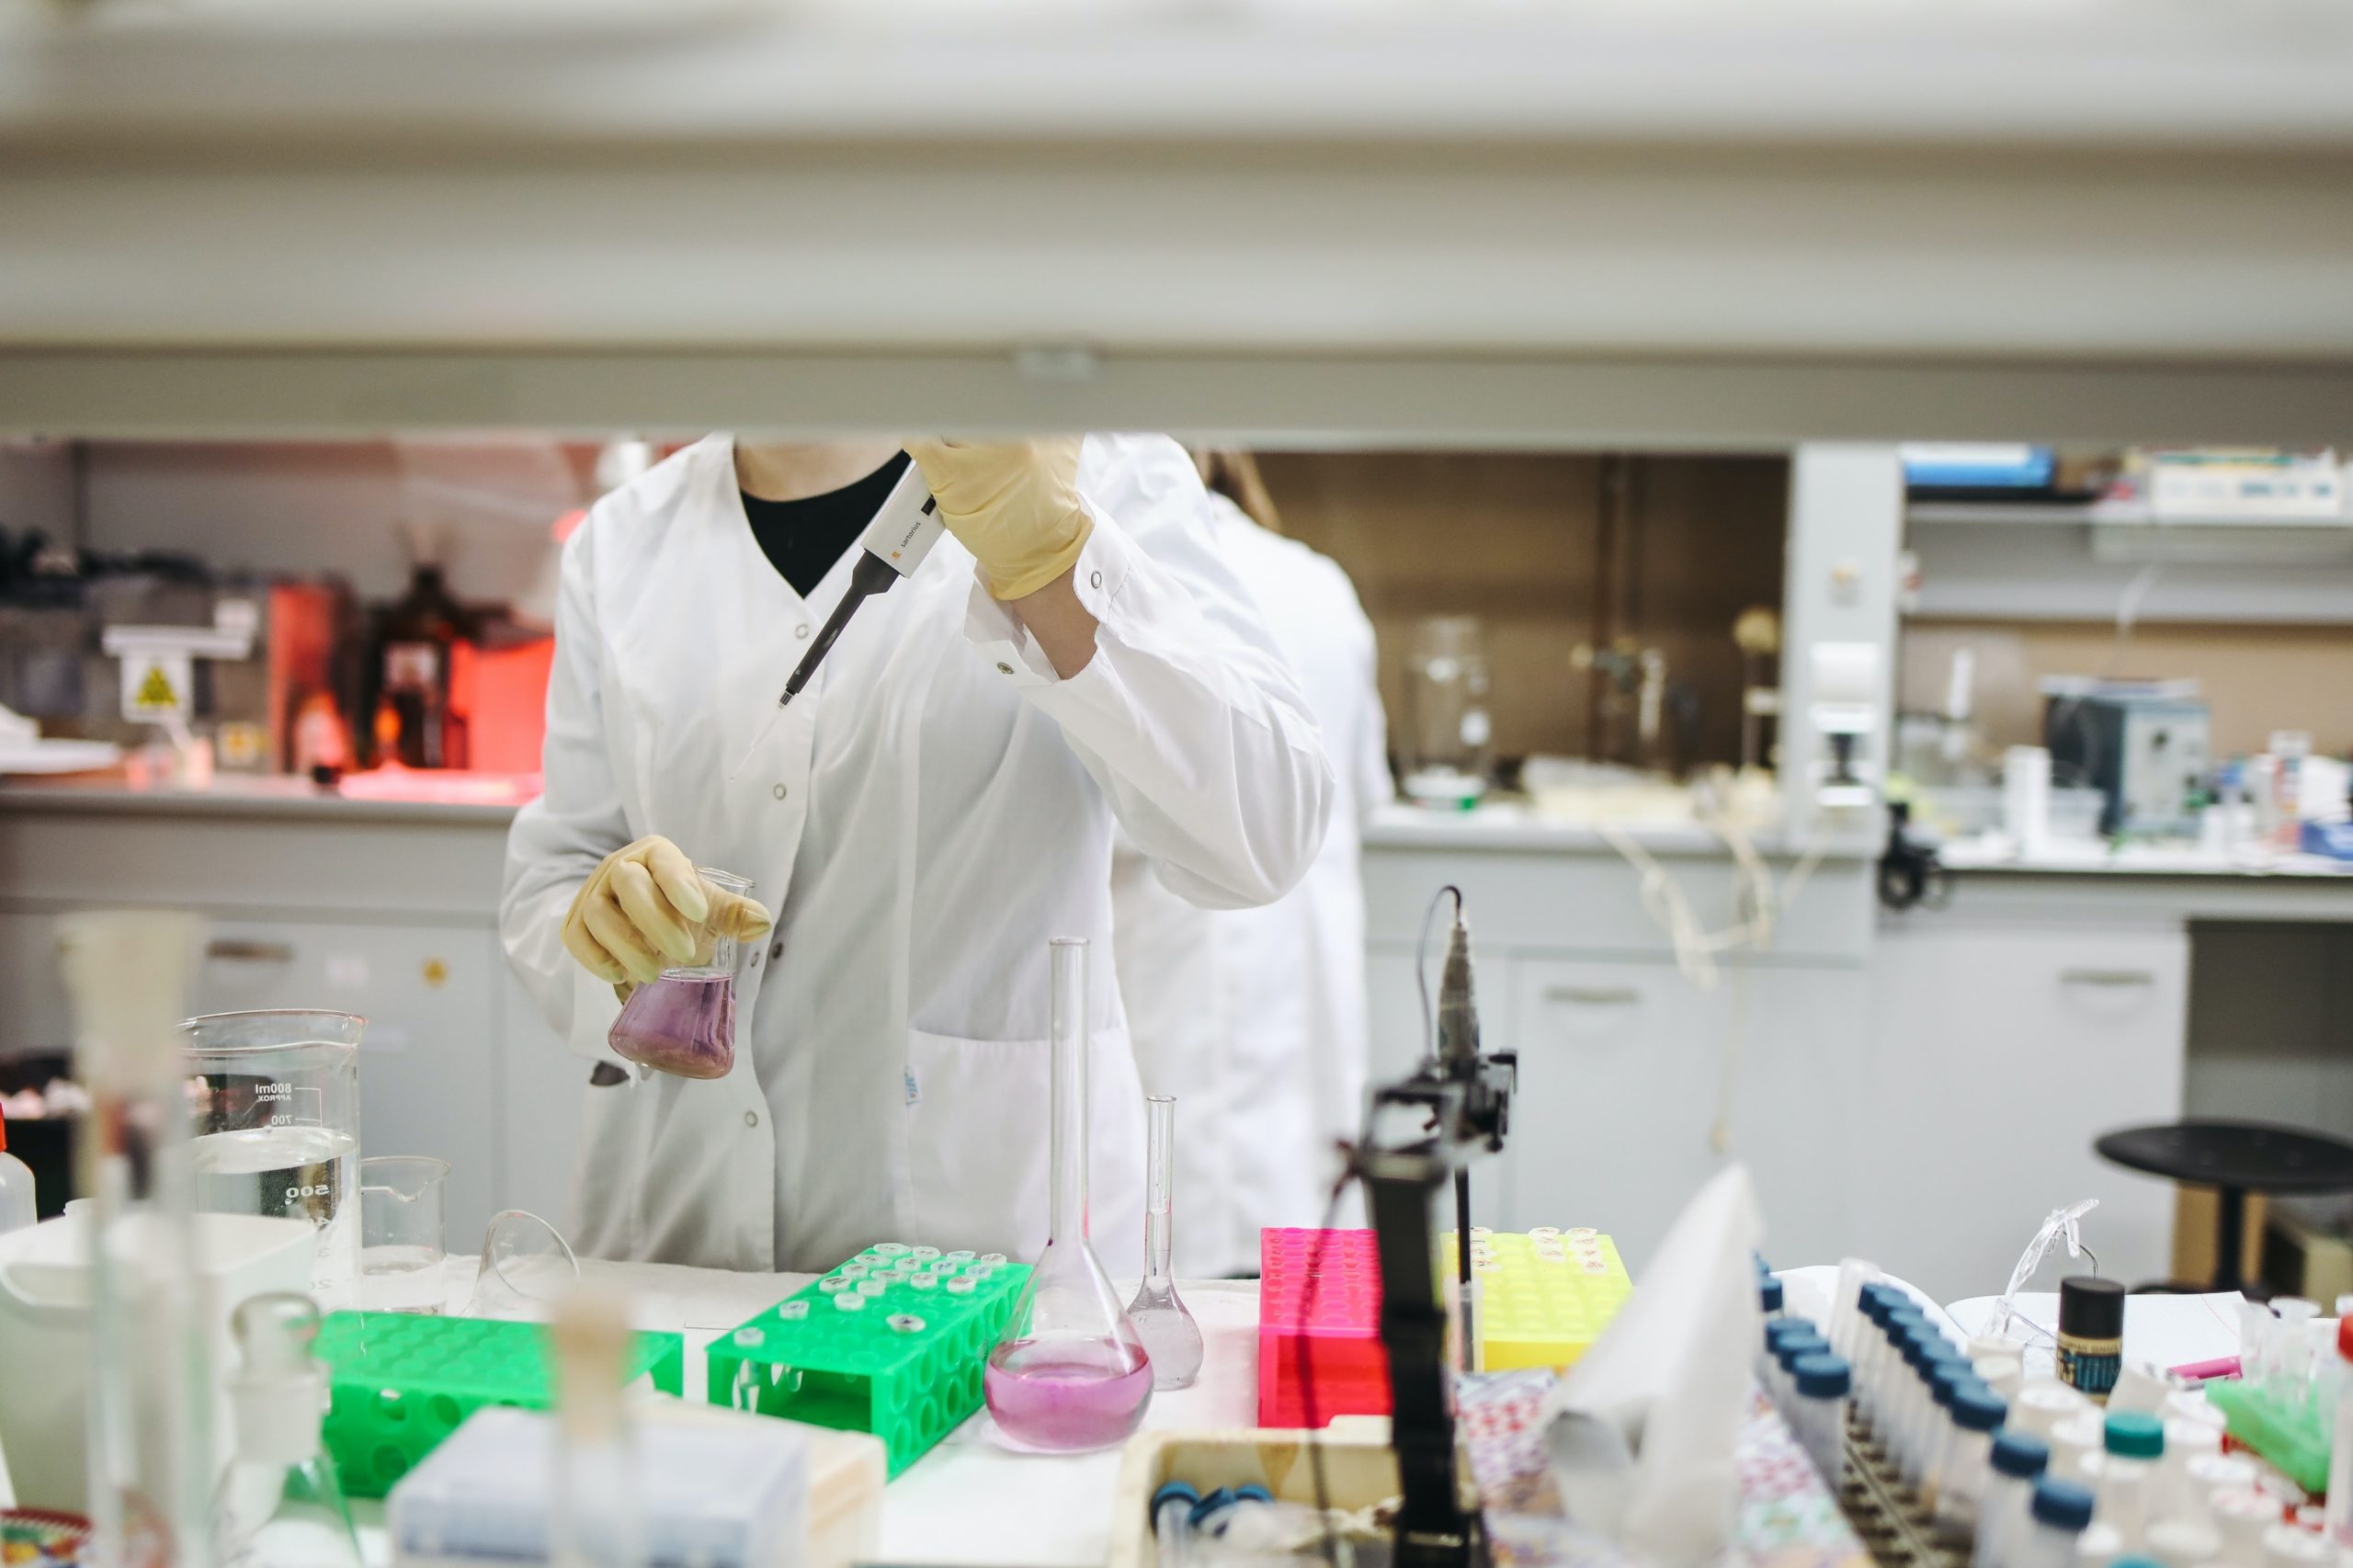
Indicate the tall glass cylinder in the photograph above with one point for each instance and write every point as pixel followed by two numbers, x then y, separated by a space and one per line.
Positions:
pixel 1171 1338
pixel 1071 1373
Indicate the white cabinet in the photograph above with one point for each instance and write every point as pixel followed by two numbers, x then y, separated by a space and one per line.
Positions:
pixel 1996 1054
pixel 1636 1086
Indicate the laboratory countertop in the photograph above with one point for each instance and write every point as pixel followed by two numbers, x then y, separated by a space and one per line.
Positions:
pixel 2097 857
pixel 969 1500
pixel 434 800
pixel 1516 825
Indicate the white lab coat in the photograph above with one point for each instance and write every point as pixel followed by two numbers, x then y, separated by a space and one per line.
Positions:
pixel 932 809
pixel 1255 1019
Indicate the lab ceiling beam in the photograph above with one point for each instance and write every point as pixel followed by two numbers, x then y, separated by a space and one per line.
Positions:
pixel 1647 223
pixel 1272 399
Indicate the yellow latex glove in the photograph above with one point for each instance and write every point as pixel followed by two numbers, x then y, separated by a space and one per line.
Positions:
pixel 645 907
pixel 1013 504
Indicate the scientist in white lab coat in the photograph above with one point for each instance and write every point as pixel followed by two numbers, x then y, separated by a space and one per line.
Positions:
pixel 1255 1019
pixel 935 806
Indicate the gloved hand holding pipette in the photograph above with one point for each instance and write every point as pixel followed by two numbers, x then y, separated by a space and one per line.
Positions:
pixel 647 905
pixel 1013 504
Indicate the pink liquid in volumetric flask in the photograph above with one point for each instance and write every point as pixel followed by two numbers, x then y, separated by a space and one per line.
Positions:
pixel 1066 1397
pixel 680 1024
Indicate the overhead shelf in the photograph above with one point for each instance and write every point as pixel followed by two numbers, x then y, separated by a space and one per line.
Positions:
pixel 2034 514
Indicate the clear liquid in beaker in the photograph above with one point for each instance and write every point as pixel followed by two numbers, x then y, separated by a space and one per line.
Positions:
pixel 683 1023
pixel 291 1170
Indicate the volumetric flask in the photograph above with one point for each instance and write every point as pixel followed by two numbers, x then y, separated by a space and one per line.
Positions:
pixel 274 1098
pixel 683 1023
pixel 1071 1373
pixel 526 1267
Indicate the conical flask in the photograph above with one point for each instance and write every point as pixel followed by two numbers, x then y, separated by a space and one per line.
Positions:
pixel 278 1506
pixel 1171 1338
pixel 1071 1373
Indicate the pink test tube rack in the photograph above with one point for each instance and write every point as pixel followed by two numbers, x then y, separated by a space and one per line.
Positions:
pixel 1343 1329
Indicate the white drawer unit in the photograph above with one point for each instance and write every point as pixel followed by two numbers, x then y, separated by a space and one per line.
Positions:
pixel 1996 1055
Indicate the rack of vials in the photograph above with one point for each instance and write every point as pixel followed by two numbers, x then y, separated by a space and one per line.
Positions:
pixel 1947 1455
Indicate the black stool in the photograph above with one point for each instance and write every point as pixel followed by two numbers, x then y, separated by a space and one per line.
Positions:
pixel 2234 1158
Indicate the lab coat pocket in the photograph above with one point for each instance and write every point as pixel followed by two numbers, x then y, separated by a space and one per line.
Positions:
pixel 977 1119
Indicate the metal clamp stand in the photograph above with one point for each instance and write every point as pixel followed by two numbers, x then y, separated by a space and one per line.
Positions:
pixel 1463 1100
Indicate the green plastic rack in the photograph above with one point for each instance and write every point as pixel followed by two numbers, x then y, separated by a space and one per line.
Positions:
pixel 400 1383
pixel 2297 1440
pixel 892 1343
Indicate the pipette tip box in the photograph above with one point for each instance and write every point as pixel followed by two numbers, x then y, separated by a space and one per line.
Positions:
pixel 905 1364
pixel 1544 1297
pixel 1319 1319
pixel 399 1383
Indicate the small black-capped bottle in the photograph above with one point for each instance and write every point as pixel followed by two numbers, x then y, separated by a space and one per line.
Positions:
pixel 2091 1334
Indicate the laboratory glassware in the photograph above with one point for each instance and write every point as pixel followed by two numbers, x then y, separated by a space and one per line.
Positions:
pixel 400 1233
pixel 594 1520
pixel 684 1022
pixel 1449 734
pixel 526 1267
pixel 279 1505
pixel 150 1429
pixel 276 1104
pixel 1170 1336
pixel 17 1205
pixel 1071 1372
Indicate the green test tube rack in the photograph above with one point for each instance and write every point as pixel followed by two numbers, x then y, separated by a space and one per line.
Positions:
pixel 2296 1438
pixel 399 1383
pixel 904 1363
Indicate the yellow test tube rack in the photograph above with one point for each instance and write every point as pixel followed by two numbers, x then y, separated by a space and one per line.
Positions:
pixel 1544 1297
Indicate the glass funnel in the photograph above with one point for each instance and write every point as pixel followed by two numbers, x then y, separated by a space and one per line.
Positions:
pixel 683 1023
pixel 274 1097
pixel 526 1267
pixel 1171 1338
pixel 1071 1373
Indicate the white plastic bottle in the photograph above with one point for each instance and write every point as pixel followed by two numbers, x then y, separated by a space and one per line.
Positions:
pixel 2014 1465
pixel 17 1209
pixel 2061 1512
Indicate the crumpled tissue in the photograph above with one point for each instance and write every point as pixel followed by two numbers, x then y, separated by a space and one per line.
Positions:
pixel 1641 1432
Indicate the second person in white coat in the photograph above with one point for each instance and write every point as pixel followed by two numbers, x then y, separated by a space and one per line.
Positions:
pixel 936 805
pixel 1255 1019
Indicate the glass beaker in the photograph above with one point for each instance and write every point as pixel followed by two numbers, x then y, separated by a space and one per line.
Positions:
pixel 1170 1336
pixel 401 1244
pixel 1448 731
pixel 275 1100
pixel 526 1267
pixel 683 1023
pixel 1071 1373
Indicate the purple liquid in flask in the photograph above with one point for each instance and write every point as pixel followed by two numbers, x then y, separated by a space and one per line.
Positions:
pixel 684 1022
pixel 1071 1373
pixel 1059 1397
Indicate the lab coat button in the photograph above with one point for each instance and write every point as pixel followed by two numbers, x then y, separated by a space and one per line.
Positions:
pixel 1094 579
pixel 777 951
pixel 1003 668
pixel 778 791
pixel 801 630
pixel 751 1118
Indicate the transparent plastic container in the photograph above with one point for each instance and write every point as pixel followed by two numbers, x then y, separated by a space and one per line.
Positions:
pixel 274 1097
pixel 684 1022
pixel 1071 1373
pixel 1448 745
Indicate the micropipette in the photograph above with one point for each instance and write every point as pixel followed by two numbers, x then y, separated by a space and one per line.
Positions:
pixel 893 546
